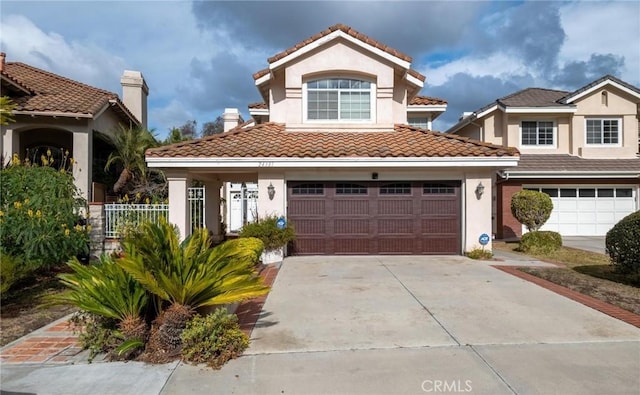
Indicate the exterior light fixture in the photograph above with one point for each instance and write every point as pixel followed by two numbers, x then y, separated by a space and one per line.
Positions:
pixel 480 190
pixel 271 191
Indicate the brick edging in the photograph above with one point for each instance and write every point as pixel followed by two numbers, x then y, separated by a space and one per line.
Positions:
pixel 248 312
pixel 589 301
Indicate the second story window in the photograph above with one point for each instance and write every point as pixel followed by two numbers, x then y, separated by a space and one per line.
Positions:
pixel 603 131
pixel 537 134
pixel 339 99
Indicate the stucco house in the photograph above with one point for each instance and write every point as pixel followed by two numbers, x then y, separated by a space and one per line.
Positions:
pixel 579 147
pixel 331 150
pixel 58 114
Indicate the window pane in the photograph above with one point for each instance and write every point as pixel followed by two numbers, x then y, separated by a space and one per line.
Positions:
pixel 438 189
pixel 567 192
pixel 552 192
pixel 308 189
pixel 593 131
pixel 401 188
pixel 605 192
pixel 339 98
pixel 624 192
pixel 529 133
pixel 545 133
pixel 343 188
pixel 587 192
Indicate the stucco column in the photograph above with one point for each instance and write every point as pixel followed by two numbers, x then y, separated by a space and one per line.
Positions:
pixel 212 209
pixel 477 209
pixel 83 160
pixel 179 213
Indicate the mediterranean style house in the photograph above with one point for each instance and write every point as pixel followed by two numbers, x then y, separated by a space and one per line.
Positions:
pixel 581 148
pixel 57 114
pixel 333 151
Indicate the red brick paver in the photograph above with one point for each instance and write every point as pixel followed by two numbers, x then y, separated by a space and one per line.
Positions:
pixel 604 307
pixel 56 343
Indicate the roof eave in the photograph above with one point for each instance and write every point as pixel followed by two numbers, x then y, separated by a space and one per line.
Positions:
pixel 571 174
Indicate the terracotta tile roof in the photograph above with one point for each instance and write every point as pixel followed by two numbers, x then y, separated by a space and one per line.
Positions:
pixel 53 93
pixel 417 75
pixel 258 106
pixel 260 73
pixel 270 140
pixel 560 163
pixel 426 101
pixel 346 29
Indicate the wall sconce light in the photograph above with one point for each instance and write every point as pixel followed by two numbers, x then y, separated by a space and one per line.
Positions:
pixel 479 190
pixel 271 191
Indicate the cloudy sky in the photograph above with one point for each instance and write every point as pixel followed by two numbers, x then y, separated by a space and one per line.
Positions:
pixel 198 57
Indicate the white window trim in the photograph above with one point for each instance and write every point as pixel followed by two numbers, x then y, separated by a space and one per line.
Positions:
pixel 603 145
pixel 372 104
pixel 538 146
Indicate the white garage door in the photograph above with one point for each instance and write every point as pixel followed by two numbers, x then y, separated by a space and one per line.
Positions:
pixel 587 210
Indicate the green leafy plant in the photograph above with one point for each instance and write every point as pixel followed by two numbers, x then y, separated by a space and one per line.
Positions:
pixel 6 110
pixel 97 334
pixel 267 231
pixel 540 242
pixel 531 208
pixel 213 339
pixel 189 275
pixel 12 270
pixel 40 214
pixel 130 144
pixel 623 246
pixel 479 253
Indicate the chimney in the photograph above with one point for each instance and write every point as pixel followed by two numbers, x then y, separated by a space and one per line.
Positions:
pixel 231 118
pixel 134 94
pixel 2 57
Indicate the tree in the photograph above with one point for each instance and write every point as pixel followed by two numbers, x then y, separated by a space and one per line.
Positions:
pixel 130 144
pixel 188 130
pixel 215 127
pixel 175 136
pixel 6 110
pixel 531 208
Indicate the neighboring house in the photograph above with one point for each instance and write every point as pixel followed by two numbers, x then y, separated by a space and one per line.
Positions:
pixel 61 115
pixel 332 152
pixel 579 147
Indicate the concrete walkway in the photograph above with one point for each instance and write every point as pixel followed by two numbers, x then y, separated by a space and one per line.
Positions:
pixel 389 325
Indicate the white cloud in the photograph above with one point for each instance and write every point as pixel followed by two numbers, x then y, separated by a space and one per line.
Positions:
pixel 22 40
pixel 173 114
pixel 496 64
pixel 595 27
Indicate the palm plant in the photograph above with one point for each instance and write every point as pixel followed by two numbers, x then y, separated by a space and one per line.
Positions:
pixel 189 275
pixel 6 110
pixel 130 144
pixel 108 291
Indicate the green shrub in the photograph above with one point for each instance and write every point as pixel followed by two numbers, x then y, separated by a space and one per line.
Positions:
pixel 97 334
pixel 531 208
pixel 213 339
pixel 623 245
pixel 40 210
pixel 266 229
pixel 479 253
pixel 540 242
pixel 12 270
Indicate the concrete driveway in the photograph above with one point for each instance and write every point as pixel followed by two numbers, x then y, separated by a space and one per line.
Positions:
pixel 389 325
pixel 588 243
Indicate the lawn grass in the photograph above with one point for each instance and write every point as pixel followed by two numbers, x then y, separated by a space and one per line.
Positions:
pixel 586 272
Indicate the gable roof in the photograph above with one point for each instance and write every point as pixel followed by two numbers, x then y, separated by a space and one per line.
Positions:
pixel 544 98
pixel 348 32
pixel 46 92
pixel 271 140
pixel 607 79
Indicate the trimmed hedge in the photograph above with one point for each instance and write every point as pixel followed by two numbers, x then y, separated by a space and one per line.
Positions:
pixel 531 208
pixel 540 241
pixel 623 245
pixel 266 229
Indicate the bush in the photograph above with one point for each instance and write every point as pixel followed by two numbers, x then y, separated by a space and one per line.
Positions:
pixel 479 253
pixel 12 270
pixel 531 208
pixel 623 245
pixel 213 339
pixel 40 211
pixel 266 229
pixel 540 242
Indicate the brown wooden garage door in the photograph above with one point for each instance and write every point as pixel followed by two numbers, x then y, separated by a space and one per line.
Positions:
pixel 375 217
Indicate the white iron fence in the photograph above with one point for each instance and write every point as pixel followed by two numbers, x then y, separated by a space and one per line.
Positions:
pixel 122 216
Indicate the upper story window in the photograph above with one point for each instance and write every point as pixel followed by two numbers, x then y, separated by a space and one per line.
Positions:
pixel 419 122
pixel 339 99
pixel 537 134
pixel 603 131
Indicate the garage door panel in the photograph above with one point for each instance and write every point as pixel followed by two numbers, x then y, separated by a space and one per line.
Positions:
pixel 352 226
pixel 586 205
pixel 351 206
pixel 395 207
pixel 395 226
pixel 375 218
